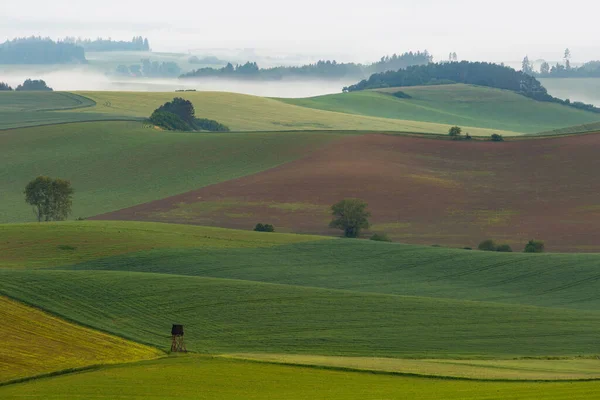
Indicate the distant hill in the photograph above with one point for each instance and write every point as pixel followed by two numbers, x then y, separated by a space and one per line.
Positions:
pixel 138 43
pixel 37 50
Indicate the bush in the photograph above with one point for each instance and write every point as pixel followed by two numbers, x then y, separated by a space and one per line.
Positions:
pixel 210 125
pixel 497 138
pixel 169 121
pixel 381 237
pixel 487 245
pixel 264 228
pixel 467 248
pixel 504 248
pixel 455 132
pixel 534 246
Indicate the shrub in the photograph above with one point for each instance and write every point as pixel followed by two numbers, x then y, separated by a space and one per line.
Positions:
pixel 497 138
pixel 534 246
pixel 380 237
pixel 455 132
pixel 487 245
pixel 264 228
pixel 402 95
pixel 169 121
pixel 210 125
pixel 468 137
pixel 467 248
pixel 504 248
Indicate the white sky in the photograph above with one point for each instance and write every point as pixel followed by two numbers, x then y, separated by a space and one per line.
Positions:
pixel 503 30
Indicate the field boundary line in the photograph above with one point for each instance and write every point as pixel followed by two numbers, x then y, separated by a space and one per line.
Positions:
pixel 398 373
pixel 116 119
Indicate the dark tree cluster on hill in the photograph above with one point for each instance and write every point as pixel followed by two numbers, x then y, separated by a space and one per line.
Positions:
pixel 37 50
pixel 180 115
pixel 34 85
pixel 320 70
pixel 473 73
pixel 264 228
pixel 138 43
pixel 150 69
pixel 5 87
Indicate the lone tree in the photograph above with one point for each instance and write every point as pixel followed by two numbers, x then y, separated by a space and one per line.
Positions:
pixel 51 198
pixel 350 215
pixel 534 246
pixel 455 132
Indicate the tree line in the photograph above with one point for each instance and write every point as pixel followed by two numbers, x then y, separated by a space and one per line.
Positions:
pixel 590 69
pixel 28 85
pixel 324 69
pixel 138 43
pixel 473 73
pixel 150 69
pixel 38 50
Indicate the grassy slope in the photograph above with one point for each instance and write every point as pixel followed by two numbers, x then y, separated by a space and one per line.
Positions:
pixel 39 245
pixel 521 369
pixel 35 343
pixel 225 316
pixel 113 165
pixel 548 280
pixel 252 113
pixel 219 379
pixel 20 109
pixel 462 105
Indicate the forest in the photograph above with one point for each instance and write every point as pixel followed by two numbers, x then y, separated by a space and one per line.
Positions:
pixel 38 50
pixel 319 70
pixel 138 43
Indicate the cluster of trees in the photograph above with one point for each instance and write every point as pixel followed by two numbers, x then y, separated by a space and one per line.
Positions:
pixel 51 199
pixel 533 246
pixel 264 228
pixel 38 50
pixel 138 43
pixel 590 69
pixel 150 69
pixel 37 85
pixel 474 73
pixel 180 115
pixel 208 60
pixel 320 70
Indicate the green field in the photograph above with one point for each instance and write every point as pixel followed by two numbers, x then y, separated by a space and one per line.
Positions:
pixel 113 165
pixel 21 109
pixel 463 105
pixel 213 378
pixel 251 113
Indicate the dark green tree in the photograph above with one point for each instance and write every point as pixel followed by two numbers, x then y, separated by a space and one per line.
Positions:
pixel 351 216
pixel 534 246
pixel 487 245
pixel 545 68
pixel 51 199
pixel 497 138
pixel 526 66
pixel 455 132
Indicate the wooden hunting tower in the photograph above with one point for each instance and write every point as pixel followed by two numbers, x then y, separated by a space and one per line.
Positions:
pixel 177 344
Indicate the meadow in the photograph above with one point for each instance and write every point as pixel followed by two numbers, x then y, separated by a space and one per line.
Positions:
pixel 464 105
pixel 216 378
pixel 114 165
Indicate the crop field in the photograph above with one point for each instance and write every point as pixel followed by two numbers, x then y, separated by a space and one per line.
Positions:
pixel 35 343
pixel 521 369
pixel 252 113
pixel 113 165
pixel 217 378
pixel 22 109
pixel 463 105
pixel 419 191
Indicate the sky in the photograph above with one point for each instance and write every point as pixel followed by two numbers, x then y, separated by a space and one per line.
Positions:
pixel 350 30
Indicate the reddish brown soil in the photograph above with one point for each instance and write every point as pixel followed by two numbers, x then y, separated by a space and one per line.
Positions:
pixel 426 191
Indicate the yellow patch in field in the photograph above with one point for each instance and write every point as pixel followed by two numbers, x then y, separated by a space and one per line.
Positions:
pixel 435 180
pixel 34 343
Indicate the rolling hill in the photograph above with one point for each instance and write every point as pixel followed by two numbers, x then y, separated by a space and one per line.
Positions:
pixel 463 105
pixel 419 191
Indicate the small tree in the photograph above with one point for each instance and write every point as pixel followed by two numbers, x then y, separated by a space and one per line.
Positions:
pixel 534 246
pixel 51 199
pixel 497 138
pixel 455 132
pixel 504 248
pixel 350 215
pixel 487 245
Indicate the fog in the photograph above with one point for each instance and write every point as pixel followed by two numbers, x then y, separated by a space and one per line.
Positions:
pixel 346 29
pixel 80 79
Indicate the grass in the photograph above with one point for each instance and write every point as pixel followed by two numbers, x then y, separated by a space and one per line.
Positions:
pixel 463 105
pixel 252 113
pixel 521 369
pixel 35 343
pixel 53 244
pixel 215 379
pixel 113 165
pixel 21 109
pixel 230 316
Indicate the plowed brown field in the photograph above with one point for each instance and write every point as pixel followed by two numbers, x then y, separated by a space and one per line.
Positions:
pixel 419 191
